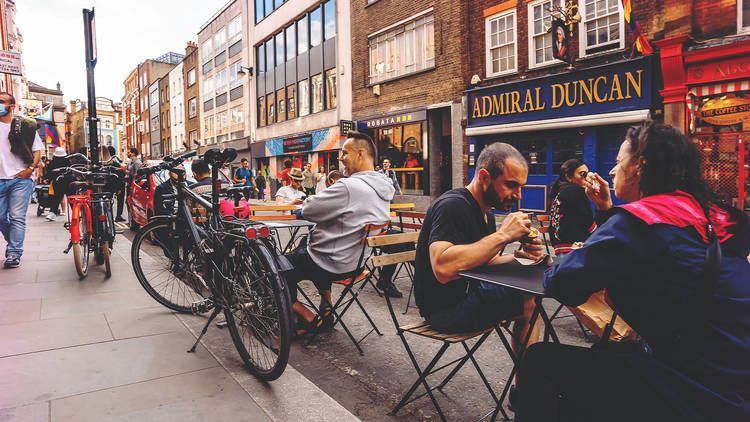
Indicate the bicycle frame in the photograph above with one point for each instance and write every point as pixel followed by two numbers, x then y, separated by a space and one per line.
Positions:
pixel 77 204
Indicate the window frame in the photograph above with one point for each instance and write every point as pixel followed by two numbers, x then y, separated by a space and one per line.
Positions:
pixel 233 38
pixel 488 48
pixel 325 17
pixel 220 78
pixel 420 25
pixel 741 29
pixel 192 75
pixel 234 79
pixel 192 108
pixel 218 49
pixel 532 64
pixel 207 56
pixel 319 10
pixel 582 32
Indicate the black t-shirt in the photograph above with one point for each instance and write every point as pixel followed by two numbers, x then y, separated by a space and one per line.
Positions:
pixel 571 218
pixel 455 217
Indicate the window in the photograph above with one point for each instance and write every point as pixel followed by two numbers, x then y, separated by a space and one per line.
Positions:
pixel 407 49
pixel 208 127
pixel 235 30
pixel 540 42
pixel 238 119
pixel 303 99
pixel 602 25
pixel 277 3
pixel 259 15
pixel 154 97
pixel 331 88
pixel 234 79
pixel 206 50
pixel 222 122
pixel 193 137
pixel 317 93
pixel 261 111
pixel 279 48
pixel 192 107
pixel 281 106
pixel 269 7
pixel 221 82
pixel 302 41
pixel 260 56
pixel 500 43
pixel 291 111
pixel 316 28
pixel 208 87
pixel 290 43
pixel 220 41
pixel 329 14
pixel 743 15
pixel 269 55
pixel 271 105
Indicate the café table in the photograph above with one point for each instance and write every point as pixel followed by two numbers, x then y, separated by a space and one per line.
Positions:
pixel 294 227
pixel 522 278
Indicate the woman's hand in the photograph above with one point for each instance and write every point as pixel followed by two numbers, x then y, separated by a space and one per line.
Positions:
pixel 597 190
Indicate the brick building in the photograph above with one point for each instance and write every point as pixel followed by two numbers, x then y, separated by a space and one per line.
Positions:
pixel 705 51
pixel 192 96
pixel 548 109
pixel 407 88
pixel 131 110
pixel 302 89
pixel 165 121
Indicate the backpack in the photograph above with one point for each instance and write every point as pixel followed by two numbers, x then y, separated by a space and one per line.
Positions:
pixel 260 182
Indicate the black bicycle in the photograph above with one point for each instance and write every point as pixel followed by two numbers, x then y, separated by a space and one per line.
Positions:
pixel 193 261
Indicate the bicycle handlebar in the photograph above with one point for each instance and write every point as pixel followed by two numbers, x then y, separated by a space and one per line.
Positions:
pixel 169 163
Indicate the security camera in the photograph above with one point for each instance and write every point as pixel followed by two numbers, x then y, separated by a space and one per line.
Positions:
pixel 475 80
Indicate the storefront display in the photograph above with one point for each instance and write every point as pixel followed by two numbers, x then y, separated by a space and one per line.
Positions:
pixel 582 114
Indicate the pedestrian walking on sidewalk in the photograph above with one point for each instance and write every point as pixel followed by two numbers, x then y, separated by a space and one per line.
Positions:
pixel 308 183
pixel 20 151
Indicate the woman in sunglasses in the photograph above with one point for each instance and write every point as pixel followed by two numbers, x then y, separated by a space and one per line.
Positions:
pixel 571 217
pixel 674 263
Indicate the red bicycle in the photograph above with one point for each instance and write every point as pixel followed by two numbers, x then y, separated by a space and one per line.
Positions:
pixel 90 220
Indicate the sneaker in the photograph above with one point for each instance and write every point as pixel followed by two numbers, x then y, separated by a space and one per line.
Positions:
pixel 51 216
pixel 119 219
pixel 390 290
pixel 12 261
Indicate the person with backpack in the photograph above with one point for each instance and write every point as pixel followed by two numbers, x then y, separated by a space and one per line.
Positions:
pixel 244 175
pixel 260 184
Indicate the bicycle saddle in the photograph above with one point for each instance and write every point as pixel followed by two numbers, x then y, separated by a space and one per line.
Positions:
pixel 215 156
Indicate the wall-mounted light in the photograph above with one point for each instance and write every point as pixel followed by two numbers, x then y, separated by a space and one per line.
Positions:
pixel 242 72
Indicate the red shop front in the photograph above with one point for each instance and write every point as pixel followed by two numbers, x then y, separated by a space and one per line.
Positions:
pixel 707 94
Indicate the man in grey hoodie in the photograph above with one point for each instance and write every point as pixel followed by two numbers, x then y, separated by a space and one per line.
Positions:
pixel 340 213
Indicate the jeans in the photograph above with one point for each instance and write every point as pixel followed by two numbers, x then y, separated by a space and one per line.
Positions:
pixel 14 201
pixel 486 304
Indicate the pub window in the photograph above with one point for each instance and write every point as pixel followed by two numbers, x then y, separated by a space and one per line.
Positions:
pixel 279 48
pixel 291 111
pixel 500 40
pixel 317 92
pixel 406 49
pixel 743 15
pixel 281 106
pixel 540 42
pixel 271 106
pixel 290 43
pixel 602 25
pixel 261 111
pixel 535 153
pixel 316 27
pixel 329 14
pixel 302 37
pixel 331 88
pixel 303 98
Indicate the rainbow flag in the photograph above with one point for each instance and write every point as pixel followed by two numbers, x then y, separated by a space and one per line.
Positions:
pixel 641 43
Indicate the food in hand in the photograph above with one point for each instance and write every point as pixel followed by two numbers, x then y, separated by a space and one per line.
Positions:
pixel 530 236
pixel 592 181
pixel 576 245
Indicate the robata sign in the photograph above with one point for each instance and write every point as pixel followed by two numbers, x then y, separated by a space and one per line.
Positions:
pixel 622 86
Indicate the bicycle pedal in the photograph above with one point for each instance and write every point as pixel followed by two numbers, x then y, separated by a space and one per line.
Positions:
pixel 202 306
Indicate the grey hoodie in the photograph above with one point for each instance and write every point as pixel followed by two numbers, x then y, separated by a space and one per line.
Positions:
pixel 340 213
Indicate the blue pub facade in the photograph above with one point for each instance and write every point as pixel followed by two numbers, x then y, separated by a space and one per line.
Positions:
pixel 577 114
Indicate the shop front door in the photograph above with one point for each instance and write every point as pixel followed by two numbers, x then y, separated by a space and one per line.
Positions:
pixel 724 163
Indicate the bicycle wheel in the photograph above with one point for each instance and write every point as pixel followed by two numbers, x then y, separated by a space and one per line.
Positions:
pixel 168 267
pixel 81 249
pixel 105 258
pixel 259 313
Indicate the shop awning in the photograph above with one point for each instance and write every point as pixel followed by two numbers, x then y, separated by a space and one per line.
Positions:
pixel 694 93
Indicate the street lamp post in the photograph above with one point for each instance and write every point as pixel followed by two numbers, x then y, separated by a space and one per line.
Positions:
pixel 89 35
pixel 242 72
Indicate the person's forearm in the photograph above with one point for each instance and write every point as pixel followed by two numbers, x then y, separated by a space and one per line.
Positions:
pixel 501 259
pixel 464 257
pixel 37 156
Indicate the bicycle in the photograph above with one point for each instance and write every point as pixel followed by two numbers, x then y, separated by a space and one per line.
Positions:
pixel 90 219
pixel 228 266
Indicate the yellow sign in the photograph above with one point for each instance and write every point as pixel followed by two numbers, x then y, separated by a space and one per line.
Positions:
pixel 725 110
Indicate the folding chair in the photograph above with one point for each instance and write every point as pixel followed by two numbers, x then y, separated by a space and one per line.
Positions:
pixel 352 286
pixel 423 329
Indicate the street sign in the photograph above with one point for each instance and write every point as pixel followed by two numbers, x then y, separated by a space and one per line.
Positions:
pixel 10 62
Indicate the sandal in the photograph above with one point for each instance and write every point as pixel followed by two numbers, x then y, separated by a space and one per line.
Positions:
pixel 306 327
pixel 327 317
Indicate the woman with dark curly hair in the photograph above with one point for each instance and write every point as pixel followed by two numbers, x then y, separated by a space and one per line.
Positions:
pixel 675 267
pixel 571 217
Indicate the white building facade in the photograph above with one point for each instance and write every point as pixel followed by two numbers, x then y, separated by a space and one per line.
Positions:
pixel 177 109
